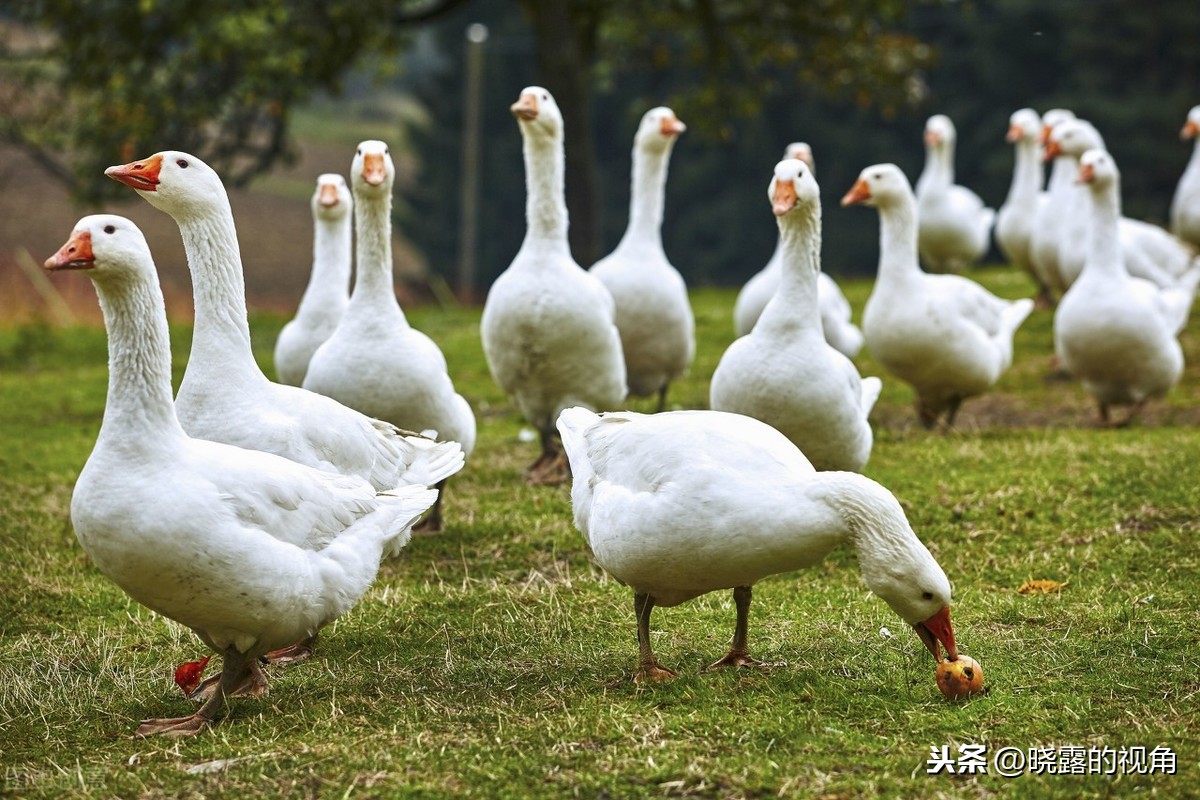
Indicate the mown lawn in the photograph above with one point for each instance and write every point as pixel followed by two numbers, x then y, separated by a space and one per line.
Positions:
pixel 495 660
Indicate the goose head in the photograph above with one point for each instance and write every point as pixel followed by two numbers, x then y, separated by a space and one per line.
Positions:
pixel 802 151
pixel 658 129
pixel 792 187
pixel 919 592
pixel 1072 138
pixel 372 171
pixel 1098 169
pixel 174 182
pixel 331 199
pixel 1191 128
pixel 107 247
pixel 1023 126
pixel 537 113
pixel 880 186
pixel 897 567
pixel 1051 118
pixel 939 132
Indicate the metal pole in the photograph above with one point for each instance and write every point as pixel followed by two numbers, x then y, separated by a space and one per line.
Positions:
pixel 468 229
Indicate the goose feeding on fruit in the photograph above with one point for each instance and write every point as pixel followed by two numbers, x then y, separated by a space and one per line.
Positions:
pixel 680 504
pixel 783 372
pixel 953 224
pixel 1185 204
pixel 653 313
pixel 1115 332
pixel 944 335
pixel 840 332
pixel 250 550
pixel 548 325
pixel 328 289
pixel 375 362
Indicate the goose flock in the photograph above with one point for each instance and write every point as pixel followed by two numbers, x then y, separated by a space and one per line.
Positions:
pixel 255 512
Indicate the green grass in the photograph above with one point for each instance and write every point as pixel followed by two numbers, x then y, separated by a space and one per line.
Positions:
pixel 494 660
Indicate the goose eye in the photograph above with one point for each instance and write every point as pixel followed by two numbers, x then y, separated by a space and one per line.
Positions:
pixel 927 595
pixel 110 228
pixel 183 164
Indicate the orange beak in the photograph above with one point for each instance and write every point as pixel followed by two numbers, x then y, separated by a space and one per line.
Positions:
pixel 858 193
pixel 938 630
pixel 932 138
pixel 784 199
pixel 374 172
pixel 327 195
pixel 1014 134
pixel 1053 151
pixel 526 108
pixel 1190 130
pixel 1086 174
pixel 75 254
pixel 671 126
pixel 141 175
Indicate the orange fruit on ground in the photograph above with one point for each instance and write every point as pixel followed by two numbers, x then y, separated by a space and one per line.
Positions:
pixel 960 678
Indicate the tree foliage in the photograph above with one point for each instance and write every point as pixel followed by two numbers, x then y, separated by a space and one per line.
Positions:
pixel 105 80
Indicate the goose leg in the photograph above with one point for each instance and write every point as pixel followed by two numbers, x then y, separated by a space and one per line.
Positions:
pixel 253 682
pixel 551 468
pixel 233 674
pixel 926 415
pixel 1134 410
pixel 433 520
pixel 1105 419
pixel 648 667
pixel 739 654
pixel 953 411
pixel 292 653
pixel 662 398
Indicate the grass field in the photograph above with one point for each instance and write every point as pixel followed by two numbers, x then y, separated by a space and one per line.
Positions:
pixel 495 660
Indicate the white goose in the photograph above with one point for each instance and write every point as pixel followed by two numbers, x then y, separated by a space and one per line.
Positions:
pixel 680 504
pixel 1149 251
pixel 249 550
pixel 1113 331
pixel 328 290
pixel 1043 245
pixel 547 327
pixel 954 225
pixel 784 372
pixel 375 361
pixel 945 335
pixel 653 314
pixel 1185 205
pixel 1016 219
pixel 840 332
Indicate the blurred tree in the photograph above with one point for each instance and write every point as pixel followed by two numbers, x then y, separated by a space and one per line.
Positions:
pixel 90 84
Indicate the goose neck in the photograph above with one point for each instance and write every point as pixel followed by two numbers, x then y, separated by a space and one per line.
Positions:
pixel 939 168
pixel 794 305
pixel 373 284
pixel 329 284
pixel 139 405
pixel 1027 173
pixel 1104 244
pixel 647 192
pixel 874 523
pixel 221 335
pixel 545 206
pixel 898 241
